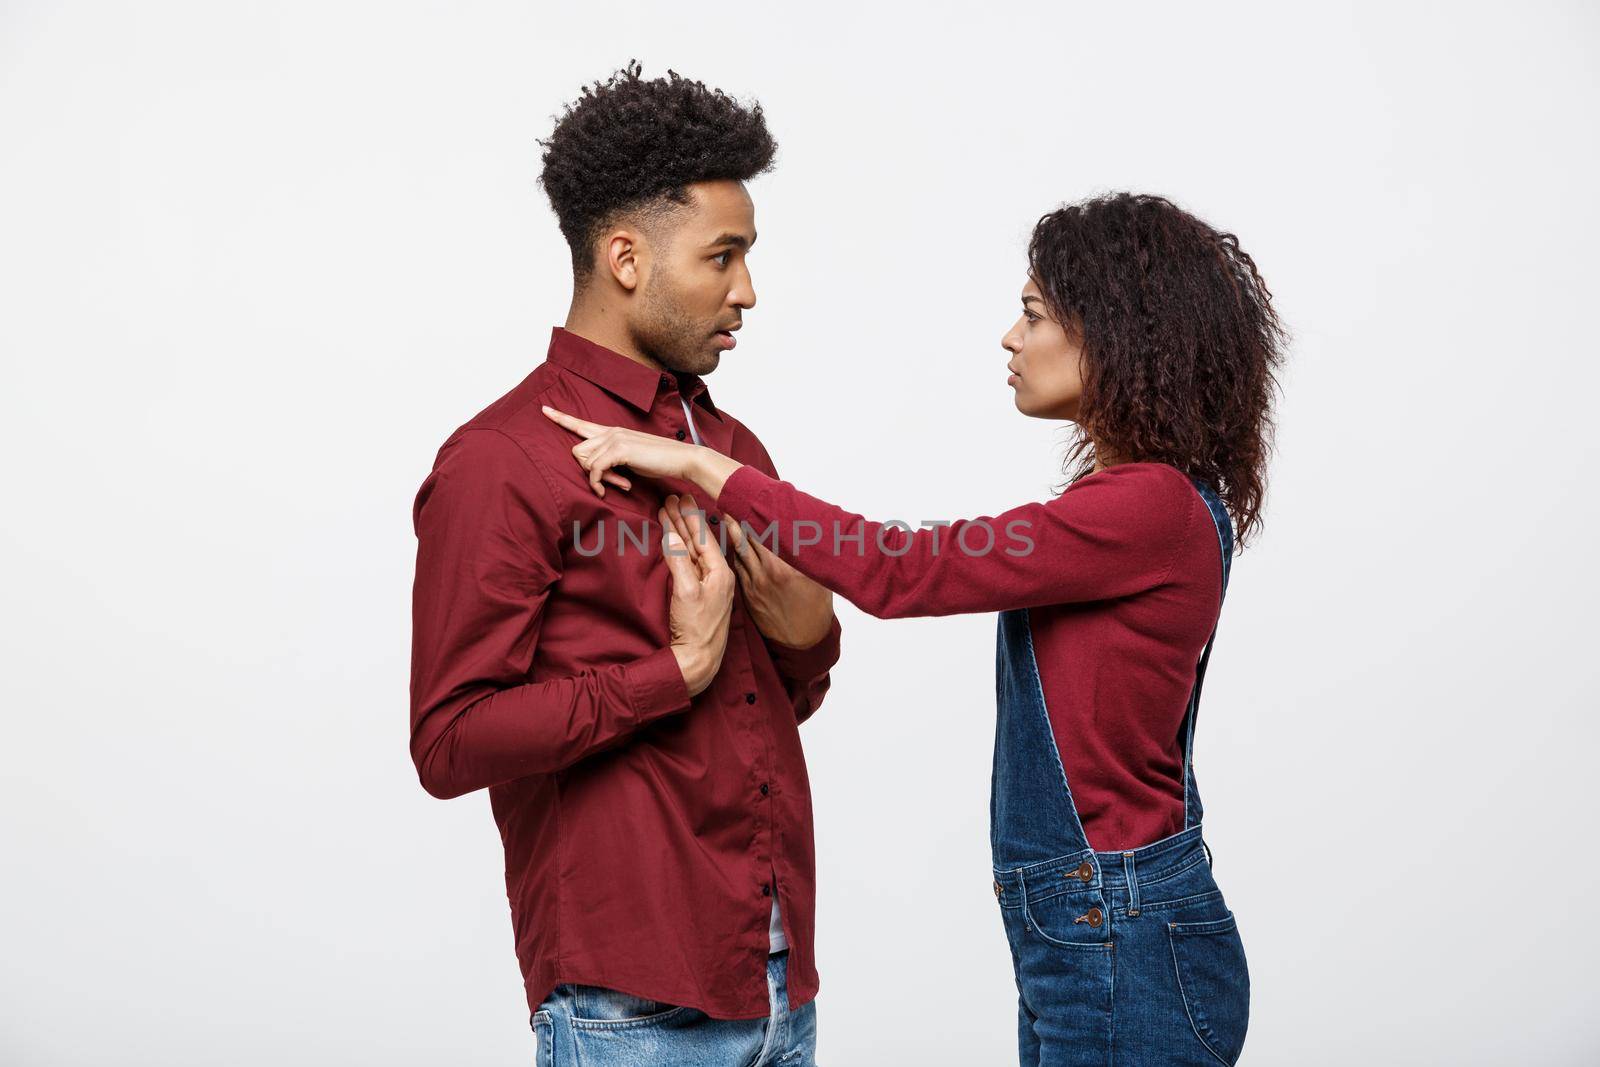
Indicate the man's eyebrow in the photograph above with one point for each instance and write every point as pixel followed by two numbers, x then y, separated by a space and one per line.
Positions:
pixel 737 240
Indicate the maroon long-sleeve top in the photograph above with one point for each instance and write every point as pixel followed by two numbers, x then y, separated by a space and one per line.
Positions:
pixel 1122 577
pixel 645 832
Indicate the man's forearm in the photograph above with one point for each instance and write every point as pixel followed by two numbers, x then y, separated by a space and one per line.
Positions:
pixel 461 744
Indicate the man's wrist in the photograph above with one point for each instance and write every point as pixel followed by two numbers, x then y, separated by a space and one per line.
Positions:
pixel 697 666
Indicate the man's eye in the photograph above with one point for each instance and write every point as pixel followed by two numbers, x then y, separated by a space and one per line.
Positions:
pixel 722 258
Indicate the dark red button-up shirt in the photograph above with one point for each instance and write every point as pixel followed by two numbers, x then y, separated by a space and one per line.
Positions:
pixel 644 831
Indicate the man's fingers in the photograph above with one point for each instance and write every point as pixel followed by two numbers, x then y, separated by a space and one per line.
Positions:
pixel 678 523
pixel 736 540
pixel 701 536
pixel 680 562
pixel 572 422
pixel 743 555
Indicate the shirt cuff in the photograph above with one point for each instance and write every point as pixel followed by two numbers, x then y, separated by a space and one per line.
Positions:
pixel 656 686
pixel 807 664
pixel 740 488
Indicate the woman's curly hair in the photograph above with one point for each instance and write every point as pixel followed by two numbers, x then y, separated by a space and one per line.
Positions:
pixel 1180 342
pixel 628 143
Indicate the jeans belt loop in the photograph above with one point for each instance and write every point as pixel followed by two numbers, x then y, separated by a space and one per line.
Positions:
pixel 1133 883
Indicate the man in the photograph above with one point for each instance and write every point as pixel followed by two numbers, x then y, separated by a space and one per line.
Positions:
pixel 634 720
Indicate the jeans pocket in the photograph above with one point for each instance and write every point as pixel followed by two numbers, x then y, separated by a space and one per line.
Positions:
pixel 597 1008
pixel 544 1044
pixel 1214 981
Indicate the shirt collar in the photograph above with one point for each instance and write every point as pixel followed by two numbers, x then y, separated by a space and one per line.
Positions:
pixel 620 376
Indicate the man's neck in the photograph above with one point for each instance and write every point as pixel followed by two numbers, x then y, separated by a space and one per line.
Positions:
pixel 593 321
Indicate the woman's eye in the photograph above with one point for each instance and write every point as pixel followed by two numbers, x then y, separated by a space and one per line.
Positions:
pixel 1030 316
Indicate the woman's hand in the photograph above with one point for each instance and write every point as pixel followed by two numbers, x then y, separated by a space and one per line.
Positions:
pixel 605 448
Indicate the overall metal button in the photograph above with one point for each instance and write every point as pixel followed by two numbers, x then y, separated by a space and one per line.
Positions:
pixel 997 889
pixel 1094 917
pixel 1085 871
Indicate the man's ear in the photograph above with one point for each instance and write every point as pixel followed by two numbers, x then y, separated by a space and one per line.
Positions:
pixel 621 252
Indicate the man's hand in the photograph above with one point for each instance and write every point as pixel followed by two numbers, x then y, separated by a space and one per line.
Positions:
pixel 702 599
pixel 787 607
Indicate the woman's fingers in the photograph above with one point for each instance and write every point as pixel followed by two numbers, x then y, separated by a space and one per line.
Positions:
pixel 572 422
pixel 598 458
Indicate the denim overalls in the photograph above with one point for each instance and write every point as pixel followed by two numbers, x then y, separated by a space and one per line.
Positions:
pixel 1122 959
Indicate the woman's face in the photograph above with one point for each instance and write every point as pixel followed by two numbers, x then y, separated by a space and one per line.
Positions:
pixel 1046 362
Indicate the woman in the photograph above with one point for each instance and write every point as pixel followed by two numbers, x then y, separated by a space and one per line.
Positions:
pixel 1155 335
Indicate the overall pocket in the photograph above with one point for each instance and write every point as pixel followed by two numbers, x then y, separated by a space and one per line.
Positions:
pixel 1069 920
pixel 1214 981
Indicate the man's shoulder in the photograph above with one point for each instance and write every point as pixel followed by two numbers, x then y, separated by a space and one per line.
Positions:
pixel 745 446
pixel 515 417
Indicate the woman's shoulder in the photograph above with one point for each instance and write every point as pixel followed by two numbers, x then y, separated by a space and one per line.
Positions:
pixel 1154 497
pixel 1138 480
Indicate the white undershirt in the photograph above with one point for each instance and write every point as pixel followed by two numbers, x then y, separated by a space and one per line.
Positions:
pixel 690 416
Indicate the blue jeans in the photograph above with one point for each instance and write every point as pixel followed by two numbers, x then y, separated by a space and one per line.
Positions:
pixel 1126 959
pixel 587 1026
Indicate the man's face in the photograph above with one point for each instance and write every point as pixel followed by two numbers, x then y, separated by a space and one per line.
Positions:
pixel 1046 362
pixel 694 283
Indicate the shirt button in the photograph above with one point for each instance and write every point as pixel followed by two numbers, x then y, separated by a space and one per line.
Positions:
pixel 765 789
pixel 666 379
pixel 714 520
pixel 766 890
pixel 680 435
pixel 749 698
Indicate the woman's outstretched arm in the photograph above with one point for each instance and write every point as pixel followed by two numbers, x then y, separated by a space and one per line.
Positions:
pixel 1114 533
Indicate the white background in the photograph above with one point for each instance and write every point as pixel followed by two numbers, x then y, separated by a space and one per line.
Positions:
pixel 258 260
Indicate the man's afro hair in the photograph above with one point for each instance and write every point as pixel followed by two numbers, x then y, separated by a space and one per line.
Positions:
pixel 627 142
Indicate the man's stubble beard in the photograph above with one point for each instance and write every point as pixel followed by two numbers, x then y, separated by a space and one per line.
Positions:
pixel 669 336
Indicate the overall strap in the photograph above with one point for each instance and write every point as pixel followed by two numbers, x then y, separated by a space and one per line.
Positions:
pixel 1192 808
pixel 1031 814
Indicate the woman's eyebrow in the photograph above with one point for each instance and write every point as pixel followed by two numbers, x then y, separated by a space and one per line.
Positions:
pixel 1031 299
